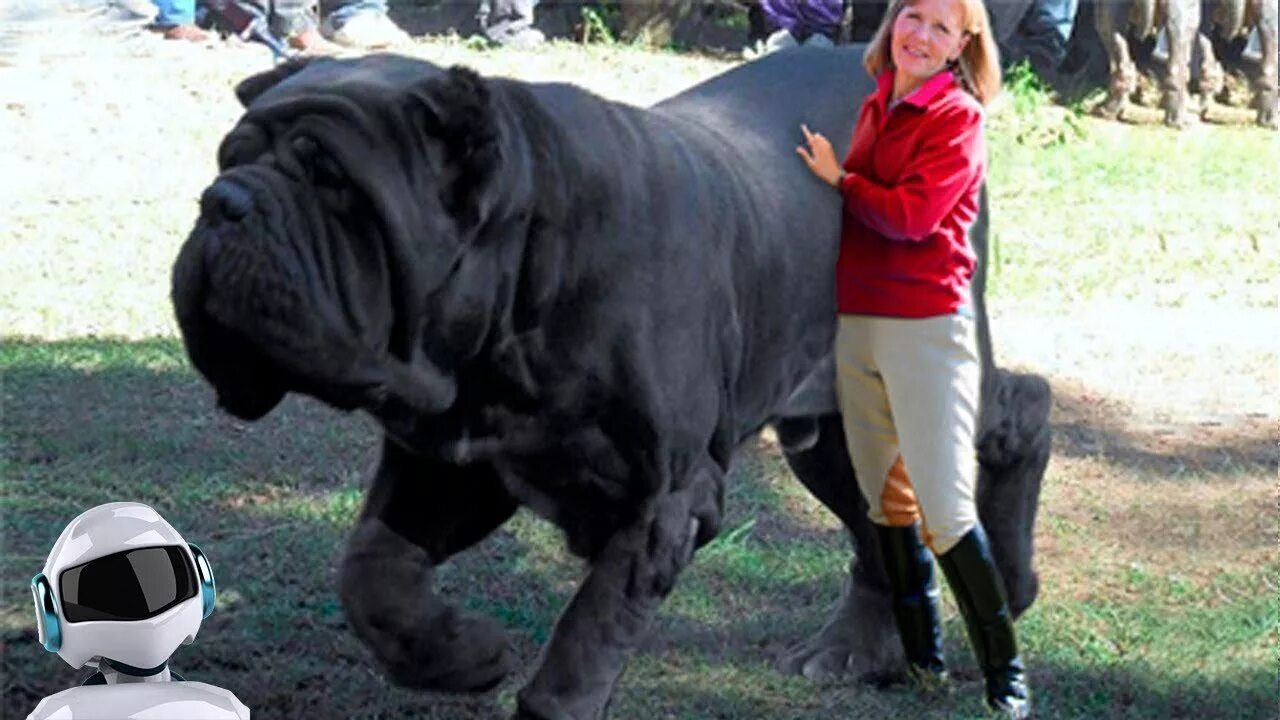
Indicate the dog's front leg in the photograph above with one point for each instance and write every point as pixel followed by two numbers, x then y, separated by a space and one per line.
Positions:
pixel 417 514
pixel 617 601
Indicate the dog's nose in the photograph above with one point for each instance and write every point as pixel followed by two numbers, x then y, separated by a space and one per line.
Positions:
pixel 228 200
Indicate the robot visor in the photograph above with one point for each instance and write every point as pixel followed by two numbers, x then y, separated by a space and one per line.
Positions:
pixel 128 585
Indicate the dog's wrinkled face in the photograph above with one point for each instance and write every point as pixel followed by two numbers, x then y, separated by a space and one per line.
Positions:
pixel 315 245
pixel 1008 496
pixel 281 285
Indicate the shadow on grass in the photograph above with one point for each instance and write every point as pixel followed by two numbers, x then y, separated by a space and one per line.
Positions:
pixel 87 422
pixel 1060 693
pixel 1086 425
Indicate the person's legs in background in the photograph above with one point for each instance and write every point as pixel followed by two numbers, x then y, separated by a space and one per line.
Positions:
pixel 299 22
pixel 360 24
pixel 1038 35
pixel 801 22
pixel 1055 20
pixel 509 22
pixel 177 20
pixel 294 23
pixel 1059 14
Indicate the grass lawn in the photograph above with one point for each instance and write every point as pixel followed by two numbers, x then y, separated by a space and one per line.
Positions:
pixel 1156 544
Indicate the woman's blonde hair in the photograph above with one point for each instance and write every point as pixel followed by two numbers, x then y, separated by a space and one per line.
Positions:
pixel 979 63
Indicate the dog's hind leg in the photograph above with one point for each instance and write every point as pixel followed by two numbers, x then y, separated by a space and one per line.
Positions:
pixel 416 515
pixel 616 603
pixel 858 637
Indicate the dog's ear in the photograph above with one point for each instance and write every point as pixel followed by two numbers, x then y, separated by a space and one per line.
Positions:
pixel 251 87
pixel 456 109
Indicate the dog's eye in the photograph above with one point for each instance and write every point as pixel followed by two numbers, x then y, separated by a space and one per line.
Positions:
pixel 304 148
pixel 324 170
pixel 309 154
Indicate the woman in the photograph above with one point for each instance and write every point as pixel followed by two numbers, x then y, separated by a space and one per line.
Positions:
pixel 909 373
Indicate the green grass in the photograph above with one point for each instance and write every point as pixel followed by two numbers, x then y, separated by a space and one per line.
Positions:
pixel 89 421
pixel 1158 593
pixel 595 27
pixel 1088 210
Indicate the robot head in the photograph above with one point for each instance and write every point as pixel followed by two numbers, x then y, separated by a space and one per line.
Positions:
pixel 122 584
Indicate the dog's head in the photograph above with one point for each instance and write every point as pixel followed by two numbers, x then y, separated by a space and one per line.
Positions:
pixel 345 197
pixel 1014 447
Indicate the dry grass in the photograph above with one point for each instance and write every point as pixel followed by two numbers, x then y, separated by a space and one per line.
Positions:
pixel 1174 501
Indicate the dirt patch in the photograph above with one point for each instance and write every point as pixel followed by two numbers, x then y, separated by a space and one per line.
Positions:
pixel 1178 378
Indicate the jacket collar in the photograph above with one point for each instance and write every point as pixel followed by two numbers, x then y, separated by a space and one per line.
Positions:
pixel 921 96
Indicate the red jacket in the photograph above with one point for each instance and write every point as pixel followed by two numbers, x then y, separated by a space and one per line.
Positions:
pixel 910 196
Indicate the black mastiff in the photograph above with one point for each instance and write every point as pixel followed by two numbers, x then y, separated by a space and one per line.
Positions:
pixel 551 300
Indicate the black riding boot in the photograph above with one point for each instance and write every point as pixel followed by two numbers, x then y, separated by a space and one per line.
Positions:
pixel 915 600
pixel 979 592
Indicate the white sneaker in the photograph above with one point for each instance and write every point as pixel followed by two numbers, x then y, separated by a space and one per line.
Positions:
pixel 368 30
pixel 780 40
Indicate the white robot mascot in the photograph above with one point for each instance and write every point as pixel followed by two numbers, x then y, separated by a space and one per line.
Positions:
pixel 121 591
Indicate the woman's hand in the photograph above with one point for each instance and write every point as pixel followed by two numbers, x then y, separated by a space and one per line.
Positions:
pixel 820 157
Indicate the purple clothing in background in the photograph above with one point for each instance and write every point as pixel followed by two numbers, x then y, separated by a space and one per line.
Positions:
pixel 803 18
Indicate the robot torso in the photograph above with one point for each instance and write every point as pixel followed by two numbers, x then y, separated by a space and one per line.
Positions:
pixel 142 701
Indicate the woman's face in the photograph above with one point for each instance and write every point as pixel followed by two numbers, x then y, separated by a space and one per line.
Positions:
pixel 927 34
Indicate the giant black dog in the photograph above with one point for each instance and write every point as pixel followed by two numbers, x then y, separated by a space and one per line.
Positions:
pixel 551 300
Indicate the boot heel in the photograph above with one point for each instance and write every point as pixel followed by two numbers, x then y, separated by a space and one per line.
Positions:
pixel 979 592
